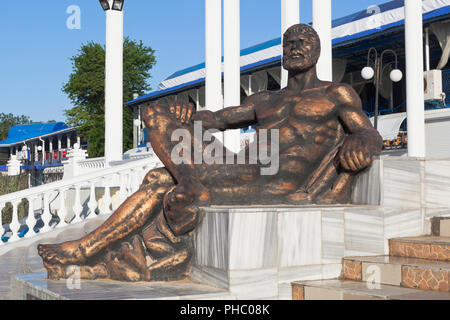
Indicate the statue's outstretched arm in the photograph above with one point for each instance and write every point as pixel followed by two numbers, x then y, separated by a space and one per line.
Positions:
pixel 232 117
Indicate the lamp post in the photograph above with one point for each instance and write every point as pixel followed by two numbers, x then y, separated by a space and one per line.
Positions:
pixel 368 73
pixel 113 79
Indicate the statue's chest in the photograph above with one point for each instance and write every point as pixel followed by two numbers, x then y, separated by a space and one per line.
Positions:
pixel 308 107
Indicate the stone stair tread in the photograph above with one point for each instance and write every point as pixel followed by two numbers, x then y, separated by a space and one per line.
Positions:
pixel 404 261
pixel 388 292
pixel 425 240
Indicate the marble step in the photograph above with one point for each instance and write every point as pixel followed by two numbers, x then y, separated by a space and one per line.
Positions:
pixel 427 247
pixel 440 226
pixel 414 273
pixel 356 290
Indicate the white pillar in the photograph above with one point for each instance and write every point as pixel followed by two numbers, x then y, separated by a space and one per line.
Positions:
pixel 43 152
pixel 68 141
pixel 213 55
pixel 414 78
pixel 322 25
pixel 114 85
pixel 232 68
pixel 290 15
pixel 427 49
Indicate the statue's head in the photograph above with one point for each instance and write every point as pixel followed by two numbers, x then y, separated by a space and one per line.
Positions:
pixel 301 48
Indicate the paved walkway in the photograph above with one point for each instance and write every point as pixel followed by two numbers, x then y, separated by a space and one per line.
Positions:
pixel 22 257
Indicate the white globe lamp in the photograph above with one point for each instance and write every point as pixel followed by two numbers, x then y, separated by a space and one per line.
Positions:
pixel 396 75
pixel 367 73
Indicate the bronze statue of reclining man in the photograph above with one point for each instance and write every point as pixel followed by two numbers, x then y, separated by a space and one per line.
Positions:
pixel 325 139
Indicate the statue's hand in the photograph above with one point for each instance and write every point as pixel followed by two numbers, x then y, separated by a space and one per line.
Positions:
pixel 182 111
pixel 354 154
pixel 207 119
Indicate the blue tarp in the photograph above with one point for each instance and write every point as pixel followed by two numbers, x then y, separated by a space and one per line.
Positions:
pixel 28 131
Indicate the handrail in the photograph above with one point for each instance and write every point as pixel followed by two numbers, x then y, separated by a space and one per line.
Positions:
pixel 77 180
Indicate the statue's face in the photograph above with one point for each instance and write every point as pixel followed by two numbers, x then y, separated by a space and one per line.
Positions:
pixel 301 50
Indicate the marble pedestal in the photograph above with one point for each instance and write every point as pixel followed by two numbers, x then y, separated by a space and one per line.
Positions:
pixel 255 252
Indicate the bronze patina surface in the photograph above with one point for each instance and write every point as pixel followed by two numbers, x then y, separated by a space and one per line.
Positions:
pixel 325 140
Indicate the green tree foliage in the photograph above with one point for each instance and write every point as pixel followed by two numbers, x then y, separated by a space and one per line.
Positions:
pixel 86 90
pixel 9 120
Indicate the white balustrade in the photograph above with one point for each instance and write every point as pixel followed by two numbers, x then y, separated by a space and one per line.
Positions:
pixel 106 208
pixel 122 195
pixel 46 216
pixel 62 212
pixel 92 204
pixel 15 224
pixel 77 207
pixel 31 219
pixel 127 175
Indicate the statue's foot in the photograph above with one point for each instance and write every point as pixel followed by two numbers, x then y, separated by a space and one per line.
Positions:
pixel 61 254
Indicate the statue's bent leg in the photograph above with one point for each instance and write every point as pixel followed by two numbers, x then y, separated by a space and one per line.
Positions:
pixel 142 206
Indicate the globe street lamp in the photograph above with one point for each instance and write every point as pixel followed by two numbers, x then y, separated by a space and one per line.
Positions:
pixel 116 5
pixel 368 73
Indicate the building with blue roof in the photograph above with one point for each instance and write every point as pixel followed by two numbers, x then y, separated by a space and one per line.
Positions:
pixel 38 146
pixel 353 36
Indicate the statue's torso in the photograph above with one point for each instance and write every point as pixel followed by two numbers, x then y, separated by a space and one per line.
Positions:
pixel 308 123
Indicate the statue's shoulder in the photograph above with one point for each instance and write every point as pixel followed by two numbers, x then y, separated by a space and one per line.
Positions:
pixel 342 93
pixel 260 96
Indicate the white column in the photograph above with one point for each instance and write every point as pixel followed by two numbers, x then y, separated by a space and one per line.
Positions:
pixel 322 25
pixel 114 85
pixel 43 152
pixel 232 68
pixel 414 78
pixel 427 49
pixel 213 54
pixel 290 15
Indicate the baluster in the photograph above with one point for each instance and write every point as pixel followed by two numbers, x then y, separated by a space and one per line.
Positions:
pixel 62 213
pixel 92 204
pixel 106 198
pixel 129 183
pixel 2 230
pixel 135 181
pixel 31 219
pixel 46 216
pixel 77 208
pixel 15 224
pixel 123 189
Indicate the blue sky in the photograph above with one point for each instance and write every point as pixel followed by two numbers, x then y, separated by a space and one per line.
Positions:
pixel 36 44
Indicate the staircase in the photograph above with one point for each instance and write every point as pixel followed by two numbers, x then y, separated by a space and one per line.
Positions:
pixel 417 268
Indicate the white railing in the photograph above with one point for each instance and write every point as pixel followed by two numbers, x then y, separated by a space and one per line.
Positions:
pixel 49 205
pixel 93 163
